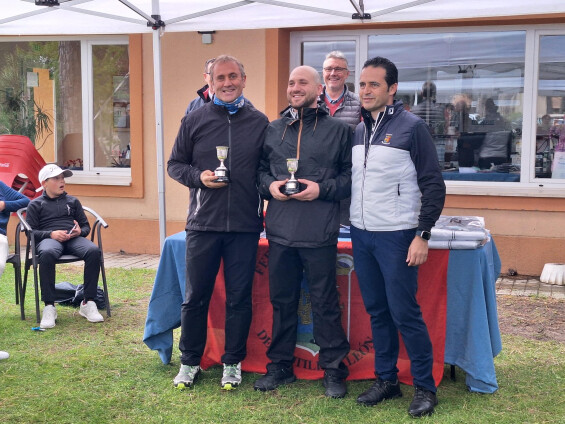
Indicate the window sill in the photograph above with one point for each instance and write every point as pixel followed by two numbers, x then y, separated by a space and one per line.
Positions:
pixel 108 178
pixel 506 189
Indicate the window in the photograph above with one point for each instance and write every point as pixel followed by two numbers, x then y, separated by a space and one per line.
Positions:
pixel 71 97
pixel 488 95
pixel 550 128
pixel 469 88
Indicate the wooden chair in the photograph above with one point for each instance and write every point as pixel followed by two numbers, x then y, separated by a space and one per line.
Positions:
pixel 31 260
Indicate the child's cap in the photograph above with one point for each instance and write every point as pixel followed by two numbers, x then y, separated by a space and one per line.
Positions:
pixel 51 170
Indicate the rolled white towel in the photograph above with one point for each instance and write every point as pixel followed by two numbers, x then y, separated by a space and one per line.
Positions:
pixel 445 234
pixel 454 244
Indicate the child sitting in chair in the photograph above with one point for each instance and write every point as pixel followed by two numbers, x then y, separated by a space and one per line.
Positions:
pixel 60 226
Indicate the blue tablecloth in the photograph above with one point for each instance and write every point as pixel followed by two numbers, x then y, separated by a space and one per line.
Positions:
pixel 472 333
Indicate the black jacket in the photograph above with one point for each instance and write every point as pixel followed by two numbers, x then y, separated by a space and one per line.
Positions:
pixel 237 207
pixel 45 214
pixel 325 158
pixel 199 101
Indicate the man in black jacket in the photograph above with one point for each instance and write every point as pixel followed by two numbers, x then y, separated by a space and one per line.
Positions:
pixel 204 94
pixel 224 219
pixel 303 229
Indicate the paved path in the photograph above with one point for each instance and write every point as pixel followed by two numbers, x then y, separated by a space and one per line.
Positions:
pixel 526 286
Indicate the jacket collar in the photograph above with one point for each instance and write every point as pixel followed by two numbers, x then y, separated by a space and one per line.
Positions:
pixel 389 112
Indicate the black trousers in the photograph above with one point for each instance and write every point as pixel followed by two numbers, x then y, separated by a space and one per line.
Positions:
pixel 50 250
pixel 286 267
pixel 204 250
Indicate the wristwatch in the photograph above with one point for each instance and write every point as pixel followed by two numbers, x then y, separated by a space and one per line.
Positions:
pixel 426 235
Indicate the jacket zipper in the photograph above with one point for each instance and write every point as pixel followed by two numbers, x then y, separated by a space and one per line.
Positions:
pixel 367 149
pixel 230 152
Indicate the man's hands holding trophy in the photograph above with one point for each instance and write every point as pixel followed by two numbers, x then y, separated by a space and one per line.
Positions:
pixel 221 176
pixel 290 188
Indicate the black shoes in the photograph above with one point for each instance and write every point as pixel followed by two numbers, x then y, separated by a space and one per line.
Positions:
pixel 423 402
pixel 379 391
pixel 335 386
pixel 274 378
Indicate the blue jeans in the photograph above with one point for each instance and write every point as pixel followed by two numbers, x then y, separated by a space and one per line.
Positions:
pixel 388 287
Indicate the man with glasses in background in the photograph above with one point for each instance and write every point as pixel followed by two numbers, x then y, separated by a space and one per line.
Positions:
pixel 336 99
pixel 339 102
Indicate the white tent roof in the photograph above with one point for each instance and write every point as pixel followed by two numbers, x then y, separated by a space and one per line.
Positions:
pixel 24 17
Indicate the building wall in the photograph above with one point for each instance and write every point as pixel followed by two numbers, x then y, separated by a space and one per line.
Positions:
pixel 528 232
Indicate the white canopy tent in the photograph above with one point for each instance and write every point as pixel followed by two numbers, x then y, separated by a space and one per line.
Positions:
pixel 81 17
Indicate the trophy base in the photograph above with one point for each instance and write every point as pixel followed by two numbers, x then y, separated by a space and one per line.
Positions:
pixel 291 189
pixel 222 177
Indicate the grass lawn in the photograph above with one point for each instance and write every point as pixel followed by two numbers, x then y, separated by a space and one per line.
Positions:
pixel 80 372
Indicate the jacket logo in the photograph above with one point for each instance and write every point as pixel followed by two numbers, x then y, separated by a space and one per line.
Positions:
pixel 387 139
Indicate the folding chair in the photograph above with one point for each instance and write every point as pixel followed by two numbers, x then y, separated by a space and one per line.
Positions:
pixel 31 259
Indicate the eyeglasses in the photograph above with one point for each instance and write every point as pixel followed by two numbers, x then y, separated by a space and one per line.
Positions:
pixel 336 70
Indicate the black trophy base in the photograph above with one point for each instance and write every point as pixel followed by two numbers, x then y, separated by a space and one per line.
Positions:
pixel 290 189
pixel 222 177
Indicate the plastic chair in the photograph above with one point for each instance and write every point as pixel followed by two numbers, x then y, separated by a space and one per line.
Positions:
pixel 31 260
pixel 20 164
pixel 16 260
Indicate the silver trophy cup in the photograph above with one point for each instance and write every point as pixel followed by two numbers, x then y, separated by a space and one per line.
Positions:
pixel 221 172
pixel 292 186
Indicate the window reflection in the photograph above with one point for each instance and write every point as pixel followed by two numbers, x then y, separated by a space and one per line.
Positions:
pixel 469 88
pixel 111 105
pixel 550 134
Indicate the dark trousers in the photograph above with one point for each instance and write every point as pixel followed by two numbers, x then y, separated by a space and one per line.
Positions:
pixel 50 250
pixel 204 250
pixel 388 286
pixel 286 268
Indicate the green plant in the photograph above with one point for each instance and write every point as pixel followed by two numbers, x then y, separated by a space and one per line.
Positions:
pixel 23 117
pixel 19 112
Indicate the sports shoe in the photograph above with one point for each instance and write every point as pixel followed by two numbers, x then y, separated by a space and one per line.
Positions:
pixel 232 376
pixel 274 378
pixel 423 402
pixel 186 376
pixel 4 355
pixel 48 317
pixel 379 391
pixel 90 311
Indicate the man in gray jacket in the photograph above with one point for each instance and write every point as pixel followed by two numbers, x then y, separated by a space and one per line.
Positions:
pixel 340 103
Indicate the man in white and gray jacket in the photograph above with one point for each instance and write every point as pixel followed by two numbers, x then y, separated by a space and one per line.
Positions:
pixel 397 196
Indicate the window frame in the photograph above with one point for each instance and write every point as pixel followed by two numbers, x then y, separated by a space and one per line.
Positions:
pixel 107 176
pixel 529 185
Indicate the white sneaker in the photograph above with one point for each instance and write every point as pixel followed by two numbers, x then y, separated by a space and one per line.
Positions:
pixel 4 355
pixel 49 316
pixel 186 376
pixel 90 311
pixel 231 377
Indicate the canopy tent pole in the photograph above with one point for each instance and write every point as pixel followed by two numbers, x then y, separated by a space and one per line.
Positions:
pixel 157 30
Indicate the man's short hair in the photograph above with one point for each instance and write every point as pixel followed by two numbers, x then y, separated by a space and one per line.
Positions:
pixel 429 90
pixel 391 76
pixel 226 58
pixel 208 63
pixel 336 54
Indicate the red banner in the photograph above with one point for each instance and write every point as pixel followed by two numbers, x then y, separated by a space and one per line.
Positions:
pixel 432 297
